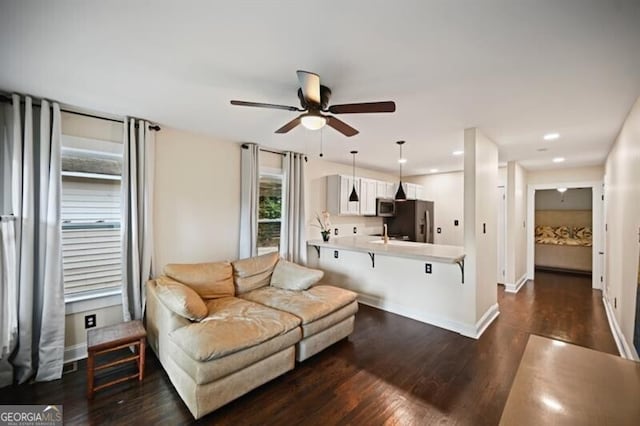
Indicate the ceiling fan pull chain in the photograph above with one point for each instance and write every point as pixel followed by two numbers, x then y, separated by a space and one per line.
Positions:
pixel 321 133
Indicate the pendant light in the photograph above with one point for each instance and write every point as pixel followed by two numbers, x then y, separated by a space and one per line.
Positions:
pixel 354 194
pixel 400 195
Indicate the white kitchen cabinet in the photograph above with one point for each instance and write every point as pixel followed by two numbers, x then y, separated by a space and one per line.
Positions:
pixel 338 190
pixel 410 190
pixel 392 187
pixel 420 192
pixel 381 189
pixel 368 194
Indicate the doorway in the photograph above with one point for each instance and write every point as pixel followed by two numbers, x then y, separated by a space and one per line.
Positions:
pixel 597 226
pixel 563 230
pixel 502 234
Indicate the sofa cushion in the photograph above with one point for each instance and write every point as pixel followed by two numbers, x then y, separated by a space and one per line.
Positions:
pixel 209 280
pixel 207 372
pixel 308 305
pixel 253 272
pixel 232 325
pixel 181 299
pixel 291 276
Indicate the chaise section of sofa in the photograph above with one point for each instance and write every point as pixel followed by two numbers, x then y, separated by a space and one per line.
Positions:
pixel 327 313
pixel 238 346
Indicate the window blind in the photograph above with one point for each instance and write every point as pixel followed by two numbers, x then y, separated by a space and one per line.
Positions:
pixel 91 240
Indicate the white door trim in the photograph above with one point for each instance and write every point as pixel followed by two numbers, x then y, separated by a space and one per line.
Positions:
pixel 598 224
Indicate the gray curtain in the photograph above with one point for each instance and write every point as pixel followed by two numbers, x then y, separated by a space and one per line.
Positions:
pixel 293 240
pixel 137 215
pixel 250 185
pixel 32 285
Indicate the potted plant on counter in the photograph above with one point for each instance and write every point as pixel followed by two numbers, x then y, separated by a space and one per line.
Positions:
pixel 324 223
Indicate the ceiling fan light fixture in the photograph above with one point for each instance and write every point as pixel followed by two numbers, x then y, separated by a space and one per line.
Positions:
pixel 313 121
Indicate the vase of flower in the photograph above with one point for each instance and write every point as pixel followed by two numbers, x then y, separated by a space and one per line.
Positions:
pixel 324 223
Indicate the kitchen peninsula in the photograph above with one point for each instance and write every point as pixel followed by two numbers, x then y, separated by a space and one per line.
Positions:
pixel 417 280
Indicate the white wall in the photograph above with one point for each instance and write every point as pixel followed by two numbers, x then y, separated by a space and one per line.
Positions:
pixel 481 217
pixel 197 198
pixel 516 262
pixel 622 206
pixel 575 174
pixel 316 198
pixel 446 190
pixel 571 199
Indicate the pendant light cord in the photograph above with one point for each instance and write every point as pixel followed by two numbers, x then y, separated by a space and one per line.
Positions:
pixel 401 163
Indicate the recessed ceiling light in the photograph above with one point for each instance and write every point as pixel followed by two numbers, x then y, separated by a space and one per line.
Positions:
pixel 433 171
pixel 542 149
pixel 558 159
pixel 402 160
pixel 458 152
pixel 551 136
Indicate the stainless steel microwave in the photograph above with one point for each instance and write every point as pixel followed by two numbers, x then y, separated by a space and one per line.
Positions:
pixel 385 207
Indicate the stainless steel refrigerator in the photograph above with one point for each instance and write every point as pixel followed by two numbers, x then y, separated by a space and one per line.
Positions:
pixel 413 221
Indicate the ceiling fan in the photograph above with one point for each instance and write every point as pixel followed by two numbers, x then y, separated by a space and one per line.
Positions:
pixel 314 100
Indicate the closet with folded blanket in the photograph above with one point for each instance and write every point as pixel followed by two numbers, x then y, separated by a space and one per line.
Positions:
pixel 563 230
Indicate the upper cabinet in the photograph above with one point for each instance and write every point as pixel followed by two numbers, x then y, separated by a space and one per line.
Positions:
pixel 410 191
pixel 339 189
pixel 368 194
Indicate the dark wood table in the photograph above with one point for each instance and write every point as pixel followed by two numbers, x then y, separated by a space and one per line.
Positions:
pixel 111 338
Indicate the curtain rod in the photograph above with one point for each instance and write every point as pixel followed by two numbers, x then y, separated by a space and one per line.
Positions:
pixel 7 218
pixel 246 146
pixel 6 99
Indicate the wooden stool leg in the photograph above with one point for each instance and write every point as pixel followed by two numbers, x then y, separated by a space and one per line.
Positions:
pixel 141 360
pixel 90 372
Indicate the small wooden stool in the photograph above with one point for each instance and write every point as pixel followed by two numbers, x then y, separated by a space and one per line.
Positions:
pixel 111 338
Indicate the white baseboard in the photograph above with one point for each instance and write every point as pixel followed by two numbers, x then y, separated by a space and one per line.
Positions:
pixel 626 351
pixel 489 316
pixel 468 330
pixel 514 288
pixel 75 352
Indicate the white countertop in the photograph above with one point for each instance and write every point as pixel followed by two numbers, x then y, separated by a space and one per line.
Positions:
pixel 421 251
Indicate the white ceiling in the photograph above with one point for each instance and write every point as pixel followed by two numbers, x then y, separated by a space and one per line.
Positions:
pixel 515 69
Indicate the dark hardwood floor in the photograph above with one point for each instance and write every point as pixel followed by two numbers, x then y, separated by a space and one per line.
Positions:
pixel 392 370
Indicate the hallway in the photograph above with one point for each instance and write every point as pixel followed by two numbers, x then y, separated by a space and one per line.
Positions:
pixel 559 306
pixel 392 370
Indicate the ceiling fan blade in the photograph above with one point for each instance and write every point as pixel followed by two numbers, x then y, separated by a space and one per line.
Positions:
pixel 341 126
pixel 364 107
pixel 261 105
pixel 310 85
pixel 290 125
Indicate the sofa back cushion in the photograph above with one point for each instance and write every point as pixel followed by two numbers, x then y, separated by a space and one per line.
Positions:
pixel 253 272
pixel 181 299
pixel 291 276
pixel 210 280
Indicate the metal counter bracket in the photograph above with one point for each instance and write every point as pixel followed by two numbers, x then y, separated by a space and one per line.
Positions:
pixel 461 265
pixel 373 259
pixel 317 249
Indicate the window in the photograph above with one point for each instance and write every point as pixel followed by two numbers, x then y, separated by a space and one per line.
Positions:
pixel 269 212
pixel 91 239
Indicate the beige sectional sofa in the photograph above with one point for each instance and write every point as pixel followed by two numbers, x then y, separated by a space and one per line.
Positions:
pixel 222 329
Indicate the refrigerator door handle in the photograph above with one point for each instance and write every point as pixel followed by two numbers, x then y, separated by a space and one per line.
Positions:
pixel 428 223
